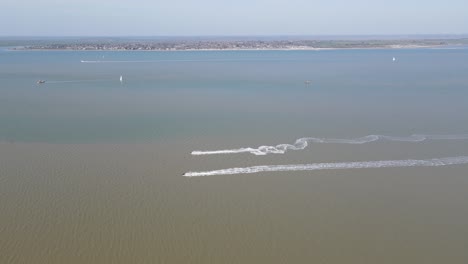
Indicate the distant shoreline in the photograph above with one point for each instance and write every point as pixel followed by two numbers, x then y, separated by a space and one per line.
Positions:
pixel 239 45
pixel 249 49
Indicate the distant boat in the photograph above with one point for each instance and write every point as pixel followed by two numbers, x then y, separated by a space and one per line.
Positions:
pixel 394 59
pixel 121 79
pixel 40 81
pixel 307 83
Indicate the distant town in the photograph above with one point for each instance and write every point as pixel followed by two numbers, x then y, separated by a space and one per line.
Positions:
pixel 242 44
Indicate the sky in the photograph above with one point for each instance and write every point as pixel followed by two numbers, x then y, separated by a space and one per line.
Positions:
pixel 236 17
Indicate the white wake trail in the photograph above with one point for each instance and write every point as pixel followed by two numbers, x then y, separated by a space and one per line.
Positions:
pixel 78 81
pixel 302 143
pixel 335 166
pixel 163 60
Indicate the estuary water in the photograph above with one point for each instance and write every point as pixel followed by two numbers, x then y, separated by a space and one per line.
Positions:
pixel 329 156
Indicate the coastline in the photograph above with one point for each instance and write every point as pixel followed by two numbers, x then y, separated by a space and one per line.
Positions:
pixel 393 47
pixel 236 44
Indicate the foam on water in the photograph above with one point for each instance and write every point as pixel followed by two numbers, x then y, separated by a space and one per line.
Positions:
pixel 78 81
pixel 173 60
pixel 335 166
pixel 302 143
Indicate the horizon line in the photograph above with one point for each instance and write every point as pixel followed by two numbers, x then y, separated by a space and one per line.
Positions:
pixel 245 35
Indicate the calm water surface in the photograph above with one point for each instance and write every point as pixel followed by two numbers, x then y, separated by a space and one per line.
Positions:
pixel 91 168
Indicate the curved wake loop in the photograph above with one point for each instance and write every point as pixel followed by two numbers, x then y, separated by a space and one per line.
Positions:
pixel 336 166
pixel 302 143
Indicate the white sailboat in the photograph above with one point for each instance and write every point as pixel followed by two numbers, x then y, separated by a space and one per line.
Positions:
pixel 121 79
pixel 394 59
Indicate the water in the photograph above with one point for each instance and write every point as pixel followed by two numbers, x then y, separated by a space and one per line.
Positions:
pixel 91 170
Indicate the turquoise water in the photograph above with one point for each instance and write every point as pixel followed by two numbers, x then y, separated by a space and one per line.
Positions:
pixel 190 93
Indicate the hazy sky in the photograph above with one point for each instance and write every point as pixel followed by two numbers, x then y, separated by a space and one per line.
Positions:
pixel 236 17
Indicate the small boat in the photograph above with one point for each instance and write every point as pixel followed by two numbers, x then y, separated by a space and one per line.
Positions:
pixel 40 82
pixel 121 79
pixel 394 59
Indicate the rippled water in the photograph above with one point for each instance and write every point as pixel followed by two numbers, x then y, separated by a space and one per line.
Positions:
pixel 91 170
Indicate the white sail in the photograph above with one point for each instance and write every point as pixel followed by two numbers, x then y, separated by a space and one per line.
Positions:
pixel 121 79
pixel 394 59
